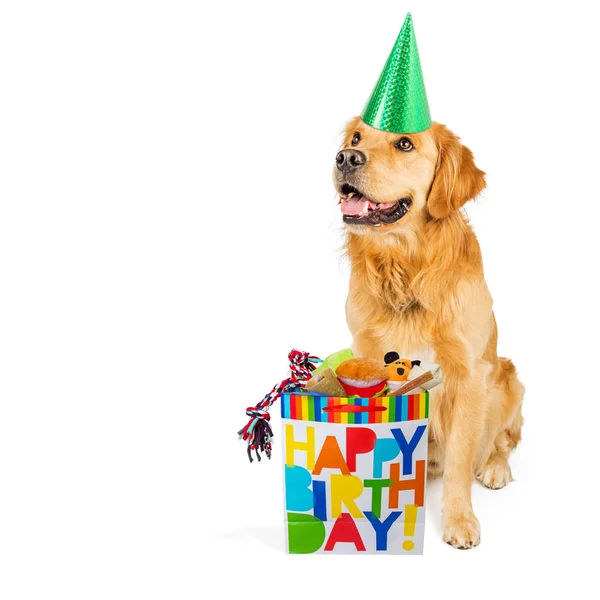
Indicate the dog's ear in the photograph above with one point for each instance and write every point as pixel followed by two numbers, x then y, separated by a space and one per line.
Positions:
pixel 415 363
pixel 456 179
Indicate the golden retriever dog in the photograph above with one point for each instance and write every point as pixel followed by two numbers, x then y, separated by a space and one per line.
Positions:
pixel 417 288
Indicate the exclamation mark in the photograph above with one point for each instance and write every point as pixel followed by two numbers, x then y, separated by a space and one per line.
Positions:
pixel 410 519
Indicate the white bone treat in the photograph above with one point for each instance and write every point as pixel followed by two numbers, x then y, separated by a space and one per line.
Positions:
pixel 418 371
pixel 435 370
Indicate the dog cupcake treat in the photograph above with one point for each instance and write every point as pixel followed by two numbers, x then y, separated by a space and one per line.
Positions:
pixel 362 377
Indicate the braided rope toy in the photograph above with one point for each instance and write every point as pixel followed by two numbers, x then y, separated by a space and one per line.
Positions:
pixel 257 432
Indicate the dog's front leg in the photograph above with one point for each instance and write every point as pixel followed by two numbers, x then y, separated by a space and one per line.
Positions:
pixel 463 395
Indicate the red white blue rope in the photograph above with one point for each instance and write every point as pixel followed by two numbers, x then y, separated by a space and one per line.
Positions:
pixel 257 432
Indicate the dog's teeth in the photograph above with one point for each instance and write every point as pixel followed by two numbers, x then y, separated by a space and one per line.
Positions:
pixel 350 195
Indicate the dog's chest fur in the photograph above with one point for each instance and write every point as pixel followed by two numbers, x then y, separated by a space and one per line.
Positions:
pixel 385 314
pixel 379 332
pixel 401 287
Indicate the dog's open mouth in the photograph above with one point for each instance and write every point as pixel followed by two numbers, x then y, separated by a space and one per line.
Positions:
pixel 359 210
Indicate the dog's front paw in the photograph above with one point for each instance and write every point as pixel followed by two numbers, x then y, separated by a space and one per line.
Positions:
pixel 462 531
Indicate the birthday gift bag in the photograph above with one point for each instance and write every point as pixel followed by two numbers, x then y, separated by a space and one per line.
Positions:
pixel 354 473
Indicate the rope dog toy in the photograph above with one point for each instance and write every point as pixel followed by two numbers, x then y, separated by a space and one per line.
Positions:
pixel 257 432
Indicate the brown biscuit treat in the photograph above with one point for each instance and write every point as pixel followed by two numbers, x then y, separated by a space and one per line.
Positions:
pixel 364 370
pixel 325 382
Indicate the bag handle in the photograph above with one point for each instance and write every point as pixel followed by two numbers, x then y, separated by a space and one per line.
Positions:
pixel 353 408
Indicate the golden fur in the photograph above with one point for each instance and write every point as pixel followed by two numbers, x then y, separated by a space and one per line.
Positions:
pixel 417 287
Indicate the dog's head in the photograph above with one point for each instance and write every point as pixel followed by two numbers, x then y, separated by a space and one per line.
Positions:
pixel 387 181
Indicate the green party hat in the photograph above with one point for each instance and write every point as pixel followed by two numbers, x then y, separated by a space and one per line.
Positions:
pixel 398 102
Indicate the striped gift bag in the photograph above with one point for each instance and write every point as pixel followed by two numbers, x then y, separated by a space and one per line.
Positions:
pixel 354 473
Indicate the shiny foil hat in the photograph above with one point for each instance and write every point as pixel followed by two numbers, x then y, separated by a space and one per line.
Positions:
pixel 399 102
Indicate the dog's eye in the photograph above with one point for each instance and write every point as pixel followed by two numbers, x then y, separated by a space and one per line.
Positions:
pixel 356 138
pixel 404 144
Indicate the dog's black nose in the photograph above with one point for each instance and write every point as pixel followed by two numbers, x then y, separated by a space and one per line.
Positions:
pixel 350 160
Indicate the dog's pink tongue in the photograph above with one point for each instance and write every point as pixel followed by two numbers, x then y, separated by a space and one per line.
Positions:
pixel 360 205
pixel 357 205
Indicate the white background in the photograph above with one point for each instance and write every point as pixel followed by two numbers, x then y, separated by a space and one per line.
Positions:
pixel 168 232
